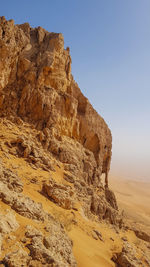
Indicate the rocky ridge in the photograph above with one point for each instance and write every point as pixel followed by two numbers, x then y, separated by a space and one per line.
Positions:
pixel 54 149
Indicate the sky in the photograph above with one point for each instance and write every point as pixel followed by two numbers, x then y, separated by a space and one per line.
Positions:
pixel 109 42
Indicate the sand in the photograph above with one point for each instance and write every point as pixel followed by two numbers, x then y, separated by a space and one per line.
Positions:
pixel 133 196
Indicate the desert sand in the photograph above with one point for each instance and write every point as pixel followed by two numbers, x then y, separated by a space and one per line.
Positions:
pixel 133 197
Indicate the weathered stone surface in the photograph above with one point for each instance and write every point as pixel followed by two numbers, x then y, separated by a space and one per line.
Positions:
pixel 17 258
pixel 110 197
pixel 100 207
pixel 127 257
pixel 8 223
pixel 141 234
pixel 11 180
pixel 31 232
pixel 22 204
pixel 34 153
pixel 54 249
pixel 99 235
pixel 62 195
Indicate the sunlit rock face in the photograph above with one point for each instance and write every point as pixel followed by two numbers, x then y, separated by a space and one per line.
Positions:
pixel 36 84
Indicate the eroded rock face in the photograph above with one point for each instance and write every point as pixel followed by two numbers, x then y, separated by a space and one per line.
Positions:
pixel 36 84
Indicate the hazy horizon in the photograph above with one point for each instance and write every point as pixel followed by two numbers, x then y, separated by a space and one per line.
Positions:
pixel 109 43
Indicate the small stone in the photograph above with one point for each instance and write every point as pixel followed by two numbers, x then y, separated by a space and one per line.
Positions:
pixel 99 235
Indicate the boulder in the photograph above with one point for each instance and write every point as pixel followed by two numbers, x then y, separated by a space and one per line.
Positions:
pixel 62 195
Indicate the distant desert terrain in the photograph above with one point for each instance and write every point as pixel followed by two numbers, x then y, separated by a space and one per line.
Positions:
pixel 133 196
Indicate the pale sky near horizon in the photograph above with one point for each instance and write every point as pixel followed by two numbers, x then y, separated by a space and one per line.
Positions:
pixel 110 49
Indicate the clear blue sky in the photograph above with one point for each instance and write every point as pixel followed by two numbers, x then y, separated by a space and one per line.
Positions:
pixel 110 49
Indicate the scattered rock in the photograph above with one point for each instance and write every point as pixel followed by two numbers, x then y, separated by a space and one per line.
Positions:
pixel 99 235
pixel 55 249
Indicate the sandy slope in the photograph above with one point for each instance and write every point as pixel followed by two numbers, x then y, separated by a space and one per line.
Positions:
pixel 89 252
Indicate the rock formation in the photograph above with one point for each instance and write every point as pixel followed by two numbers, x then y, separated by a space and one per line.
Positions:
pixel 127 257
pixel 36 85
pixel 47 124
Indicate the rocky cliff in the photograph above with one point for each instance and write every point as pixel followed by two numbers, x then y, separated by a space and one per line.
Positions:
pixel 54 149
pixel 36 85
